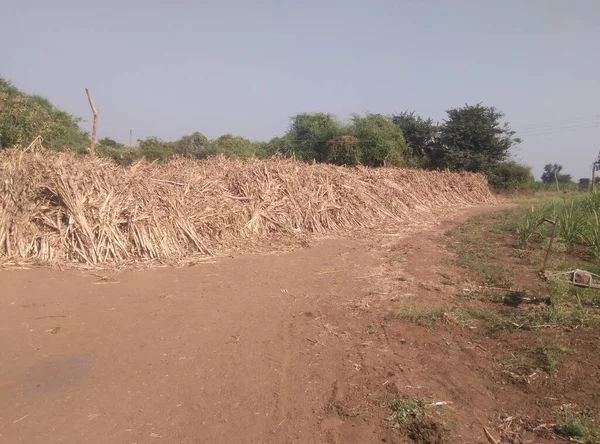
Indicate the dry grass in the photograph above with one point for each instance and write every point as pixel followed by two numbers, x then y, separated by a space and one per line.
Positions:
pixel 58 208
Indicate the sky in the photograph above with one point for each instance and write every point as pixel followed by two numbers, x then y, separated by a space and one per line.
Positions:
pixel 169 68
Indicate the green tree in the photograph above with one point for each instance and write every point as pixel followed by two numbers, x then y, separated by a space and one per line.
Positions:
pixel 344 150
pixel 235 147
pixel 260 150
pixel 280 146
pixel 420 134
pixel 549 171
pixel 153 148
pixel 194 145
pixel 510 176
pixel 121 154
pixel 107 142
pixel 473 138
pixel 23 117
pixel 380 141
pixel 124 155
pixel 309 135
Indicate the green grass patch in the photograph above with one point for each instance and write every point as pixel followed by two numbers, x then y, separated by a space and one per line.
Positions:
pixel 526 362
pixel 577 425
pixel 404 411
pixel 492 320
pixel 506 247
pixel 476 249
pixel 549 354
pixel 425 316
pixel 408 415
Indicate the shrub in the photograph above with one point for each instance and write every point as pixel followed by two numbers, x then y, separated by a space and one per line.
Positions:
pixel 510 176
pixel 23 117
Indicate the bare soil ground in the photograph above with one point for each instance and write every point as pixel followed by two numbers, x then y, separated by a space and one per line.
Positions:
pixel 301 347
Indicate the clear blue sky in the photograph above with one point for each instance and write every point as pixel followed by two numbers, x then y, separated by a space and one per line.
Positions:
pixel 168 68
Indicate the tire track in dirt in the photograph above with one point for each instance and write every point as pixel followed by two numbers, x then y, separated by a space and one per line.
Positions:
pixel 283 392
pixel 331 423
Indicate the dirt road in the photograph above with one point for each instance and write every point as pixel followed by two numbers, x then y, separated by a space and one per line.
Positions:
pixel 281 348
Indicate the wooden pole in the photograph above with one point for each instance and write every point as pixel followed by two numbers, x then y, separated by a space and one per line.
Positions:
pixel 95 111
pixel 556 177
pixel 593 188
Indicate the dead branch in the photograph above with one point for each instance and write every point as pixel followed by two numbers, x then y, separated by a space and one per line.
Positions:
pixel 95 111
pixel 489 436
pixel 170 182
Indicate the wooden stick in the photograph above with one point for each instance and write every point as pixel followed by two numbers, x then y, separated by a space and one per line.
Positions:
pixel 179 184
pixel 238 197
pixel 489 436
pixel 95 111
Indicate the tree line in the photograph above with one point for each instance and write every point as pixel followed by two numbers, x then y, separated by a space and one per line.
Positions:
pixel 471 138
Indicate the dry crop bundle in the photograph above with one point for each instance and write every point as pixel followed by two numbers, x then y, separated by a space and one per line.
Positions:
pixel 60 207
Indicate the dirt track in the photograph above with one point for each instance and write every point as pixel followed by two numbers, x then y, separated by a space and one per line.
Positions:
pixel 264 349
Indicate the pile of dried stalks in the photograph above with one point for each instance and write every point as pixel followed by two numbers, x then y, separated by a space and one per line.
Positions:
pixel 58 207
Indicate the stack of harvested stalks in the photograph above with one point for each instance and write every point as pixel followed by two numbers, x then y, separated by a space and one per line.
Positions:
pixel 59 207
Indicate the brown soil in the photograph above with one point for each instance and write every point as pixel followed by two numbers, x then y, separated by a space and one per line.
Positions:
pixel 275 348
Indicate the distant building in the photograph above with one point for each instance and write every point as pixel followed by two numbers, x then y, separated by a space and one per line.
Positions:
pixel 584 185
